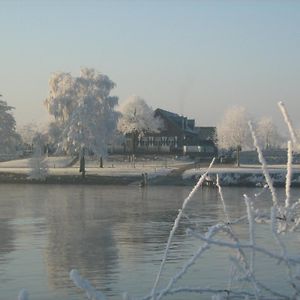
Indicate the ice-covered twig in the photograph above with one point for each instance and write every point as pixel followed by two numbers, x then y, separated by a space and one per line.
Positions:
pixel 247 269
pixel 265 187
pixel 213 230
pixel 84 284
pixel 283 250
pixel 23 295
pixel 288 174
pixel 263 165
pixel 286 211
pixel 175 225
pixel 288 122
pixel 291 260
pixel 242 262
pixel 230 233
pixel 297 224
pixel 260 284
pixel 251 222
pixel 198 290
pixel 223 200
pixel 249 206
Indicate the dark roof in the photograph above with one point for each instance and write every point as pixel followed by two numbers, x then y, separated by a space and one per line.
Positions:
pixel 206 133
pixel 176 119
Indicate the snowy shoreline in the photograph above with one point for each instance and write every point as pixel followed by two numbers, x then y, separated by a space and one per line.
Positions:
pixel 114 172
pixel 228 176
pixel 9 177
pixel 244 176
pixel 159 172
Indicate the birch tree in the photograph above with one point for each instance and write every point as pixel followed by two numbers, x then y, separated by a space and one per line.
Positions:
pixel 83 111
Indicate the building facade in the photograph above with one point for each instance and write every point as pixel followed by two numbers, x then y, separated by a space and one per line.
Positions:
pixel 179 136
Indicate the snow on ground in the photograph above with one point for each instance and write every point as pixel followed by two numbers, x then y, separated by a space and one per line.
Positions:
pixel 122 161
pixel 256 169
pixel 243 175
pixel 52 162
pixel 57 166
pixel 120 166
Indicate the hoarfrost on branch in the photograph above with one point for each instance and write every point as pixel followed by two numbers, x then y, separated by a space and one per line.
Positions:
pixel 83 111
pixel 138 117
pixel 233 129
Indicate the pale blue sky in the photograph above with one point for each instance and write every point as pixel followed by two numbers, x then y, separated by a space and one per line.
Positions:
pixel 195 58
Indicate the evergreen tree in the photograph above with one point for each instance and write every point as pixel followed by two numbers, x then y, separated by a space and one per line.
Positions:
pixel 9 138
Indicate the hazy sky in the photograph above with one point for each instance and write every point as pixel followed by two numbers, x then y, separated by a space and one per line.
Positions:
pixel 195 58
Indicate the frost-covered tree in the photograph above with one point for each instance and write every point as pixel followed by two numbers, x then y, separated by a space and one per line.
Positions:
pixel 233 130
pixel 34 135
pixel 137 118
pixel 9 138
pixel 268 134
pixel 38 166
pixel 83 111
pixel 54 134
pixel 28 132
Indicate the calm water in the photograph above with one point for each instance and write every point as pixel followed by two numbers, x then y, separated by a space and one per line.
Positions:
pixel 115 237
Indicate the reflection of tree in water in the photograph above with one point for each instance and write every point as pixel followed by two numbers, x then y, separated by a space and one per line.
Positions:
pixel 80 237
pixel 7 238
pixel 8 213
pixel 88 227
pixel 94 228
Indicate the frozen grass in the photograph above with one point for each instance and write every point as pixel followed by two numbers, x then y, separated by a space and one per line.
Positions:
pixel 51 162
pixel 58 166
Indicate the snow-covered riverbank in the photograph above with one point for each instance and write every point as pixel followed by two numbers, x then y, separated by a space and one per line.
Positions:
pixel 114 171
pixel 159 171
pixel 243 176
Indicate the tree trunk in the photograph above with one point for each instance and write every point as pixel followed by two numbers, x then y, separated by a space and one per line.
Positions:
pixel 238 150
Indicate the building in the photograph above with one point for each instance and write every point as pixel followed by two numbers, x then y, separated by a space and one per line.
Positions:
pixel 179 136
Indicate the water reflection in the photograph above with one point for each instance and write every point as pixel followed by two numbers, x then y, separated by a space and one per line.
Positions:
pixel 115 236
pixel 7 237
pixel 79 236
pixel 7 230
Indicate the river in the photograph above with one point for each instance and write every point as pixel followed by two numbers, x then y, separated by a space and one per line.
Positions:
pixel 115 236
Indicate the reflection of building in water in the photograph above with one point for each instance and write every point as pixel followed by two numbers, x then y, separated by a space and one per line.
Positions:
pixel 80 237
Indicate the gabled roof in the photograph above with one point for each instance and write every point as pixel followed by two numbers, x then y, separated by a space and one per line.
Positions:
pixel 175 119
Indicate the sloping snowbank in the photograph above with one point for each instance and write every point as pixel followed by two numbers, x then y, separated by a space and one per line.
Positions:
pixel 52 162
pixel 243 176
